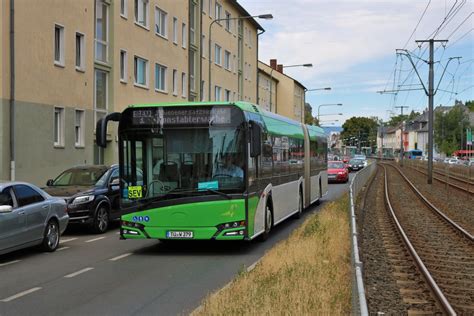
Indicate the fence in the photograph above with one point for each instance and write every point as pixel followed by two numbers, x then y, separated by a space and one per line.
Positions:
pixel 359 302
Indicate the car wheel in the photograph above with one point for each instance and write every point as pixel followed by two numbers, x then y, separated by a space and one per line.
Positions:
pixel 300 206
pixel 51 236
pixel 101 220
pixel 268 223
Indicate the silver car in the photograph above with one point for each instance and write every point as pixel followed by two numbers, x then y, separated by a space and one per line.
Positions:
pixel 29 217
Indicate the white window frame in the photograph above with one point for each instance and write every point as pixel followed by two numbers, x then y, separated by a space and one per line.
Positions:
pixel 100 41
pixel 183 35
pixel 82 49
pixel 227 60
pixel 124 9
pixel 217 54
pixel 228 21
pixel 59 128
pixel 165 86
pixel 184 87
pixel 161 17
pixel 203 4
pixel 96 109
pixel 175 30
pixel 175 82
pixel 210 8
pixel 135 72
pixel 218 12
pixel 123 66
pixel 79 129
pixel 145 23
pixel 227 95
pixel 60 61
pixel 217 93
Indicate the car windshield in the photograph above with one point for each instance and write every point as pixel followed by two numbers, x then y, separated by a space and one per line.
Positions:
pixel 181 160
pixel 355 161
pixel 335 165
pixel 80 177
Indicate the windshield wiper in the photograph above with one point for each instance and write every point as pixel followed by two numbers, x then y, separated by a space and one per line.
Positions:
pixel 174 191
pixel 216 192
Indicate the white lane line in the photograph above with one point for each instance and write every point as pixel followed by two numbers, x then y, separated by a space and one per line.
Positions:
pixel 62 248
pixel 62 241
pixel 121 256
pixel 95 239
pixel 8 263
pixel 78 272
pixel 14 297
pixel 253 265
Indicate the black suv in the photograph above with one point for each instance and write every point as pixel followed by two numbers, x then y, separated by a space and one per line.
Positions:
pixel 92 194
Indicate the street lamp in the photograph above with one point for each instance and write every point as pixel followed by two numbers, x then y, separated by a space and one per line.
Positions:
pixel 330 104
pixel 261 16
pixel 331 114
pixel 317 89
pixel 271 80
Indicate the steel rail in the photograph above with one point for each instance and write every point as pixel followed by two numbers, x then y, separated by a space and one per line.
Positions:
pixel 448 220
pixel 431 282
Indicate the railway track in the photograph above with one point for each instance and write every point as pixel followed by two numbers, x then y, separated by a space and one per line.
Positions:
pixel 453 181
pixel 443 252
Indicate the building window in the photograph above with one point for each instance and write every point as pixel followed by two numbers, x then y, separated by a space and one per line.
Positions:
pixel 100 93
pixel 123 66
pixel 210 8
pixel 227 60
pixel 80 58
pixel 79 128
pixel 228 21
pixel 203 92
pixel 192 70
pixel 226 95
pixel 183 35
pixel 217 93
pixel 160 78
pixel 59 45
pixel 175 30
pixel 141 12
pixel 161 19
pixel 192 23
pixel 203 45
pixel 217 54
pixel 183 85
pixel 203 6
pixel 175 82
pixel 218 11
pixel 58 127
pixel 101 31
pixel 123 8
pixel 141 71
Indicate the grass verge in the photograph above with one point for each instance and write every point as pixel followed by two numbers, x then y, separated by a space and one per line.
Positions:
pixel 309 273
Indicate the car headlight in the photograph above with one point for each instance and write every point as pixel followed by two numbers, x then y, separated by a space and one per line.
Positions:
pixel 83 199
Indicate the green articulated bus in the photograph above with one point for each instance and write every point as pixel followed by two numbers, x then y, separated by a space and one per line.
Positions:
pixel 220 170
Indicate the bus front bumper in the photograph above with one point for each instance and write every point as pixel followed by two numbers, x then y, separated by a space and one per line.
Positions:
pixel 134 231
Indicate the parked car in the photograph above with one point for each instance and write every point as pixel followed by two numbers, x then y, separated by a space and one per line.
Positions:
pixel 29 217
pixel 92 194
pixel 337 172
pixel 361 157
pixel 346 159
pixel 453 161
pixel 356 164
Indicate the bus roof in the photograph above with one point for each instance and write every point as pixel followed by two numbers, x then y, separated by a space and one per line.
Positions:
pixel 276 124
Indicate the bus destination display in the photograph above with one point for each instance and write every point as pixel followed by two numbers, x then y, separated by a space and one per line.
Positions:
pixel 168 117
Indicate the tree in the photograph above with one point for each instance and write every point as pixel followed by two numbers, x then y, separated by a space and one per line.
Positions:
pixel 308 115
pixel 395 120
pixel 470 105
pixel 449 127
pixel 360 130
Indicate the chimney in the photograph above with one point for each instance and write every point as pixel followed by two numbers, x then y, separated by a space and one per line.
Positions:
pixel 273 63
pixel 280 68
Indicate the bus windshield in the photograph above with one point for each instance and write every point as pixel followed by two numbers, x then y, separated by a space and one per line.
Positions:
pixel 165 163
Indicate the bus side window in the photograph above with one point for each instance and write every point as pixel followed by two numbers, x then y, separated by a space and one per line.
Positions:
pixel 267 157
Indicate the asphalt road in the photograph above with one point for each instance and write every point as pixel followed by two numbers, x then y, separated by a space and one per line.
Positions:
pixel 102 275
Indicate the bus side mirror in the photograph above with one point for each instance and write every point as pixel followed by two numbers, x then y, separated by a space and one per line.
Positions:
pixel 101 128
pixel 255 139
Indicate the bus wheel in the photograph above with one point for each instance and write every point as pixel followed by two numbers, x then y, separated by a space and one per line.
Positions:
pixel 268 222
pixel 300 206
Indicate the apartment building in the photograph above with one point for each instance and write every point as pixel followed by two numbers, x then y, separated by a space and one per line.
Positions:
pixel 279 93
pixel 89 58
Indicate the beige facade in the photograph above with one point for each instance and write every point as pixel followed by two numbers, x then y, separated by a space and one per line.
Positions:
pixel 288 95
pixel 89 58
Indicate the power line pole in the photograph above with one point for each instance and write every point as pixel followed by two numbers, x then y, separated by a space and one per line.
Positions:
pixel 401 133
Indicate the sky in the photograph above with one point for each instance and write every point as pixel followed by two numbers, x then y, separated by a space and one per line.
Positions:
pixel 352 46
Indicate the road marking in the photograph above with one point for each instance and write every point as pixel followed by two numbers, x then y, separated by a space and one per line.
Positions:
pixel 252 266
pixel 14 297
pixel 8 263
pixel 95 239
pixel 121 256
pixel 78 272
pixel 67 240
pixel 62 248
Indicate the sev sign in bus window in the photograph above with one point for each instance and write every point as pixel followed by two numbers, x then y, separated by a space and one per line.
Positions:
pixel 135 192
pixel 169 117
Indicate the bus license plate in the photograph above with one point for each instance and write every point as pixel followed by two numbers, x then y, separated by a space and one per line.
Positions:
pixel 179 234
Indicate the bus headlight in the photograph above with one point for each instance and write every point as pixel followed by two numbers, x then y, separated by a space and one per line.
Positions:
pixel 229 225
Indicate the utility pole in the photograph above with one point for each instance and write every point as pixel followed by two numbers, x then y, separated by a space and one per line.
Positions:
pixel 401 134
